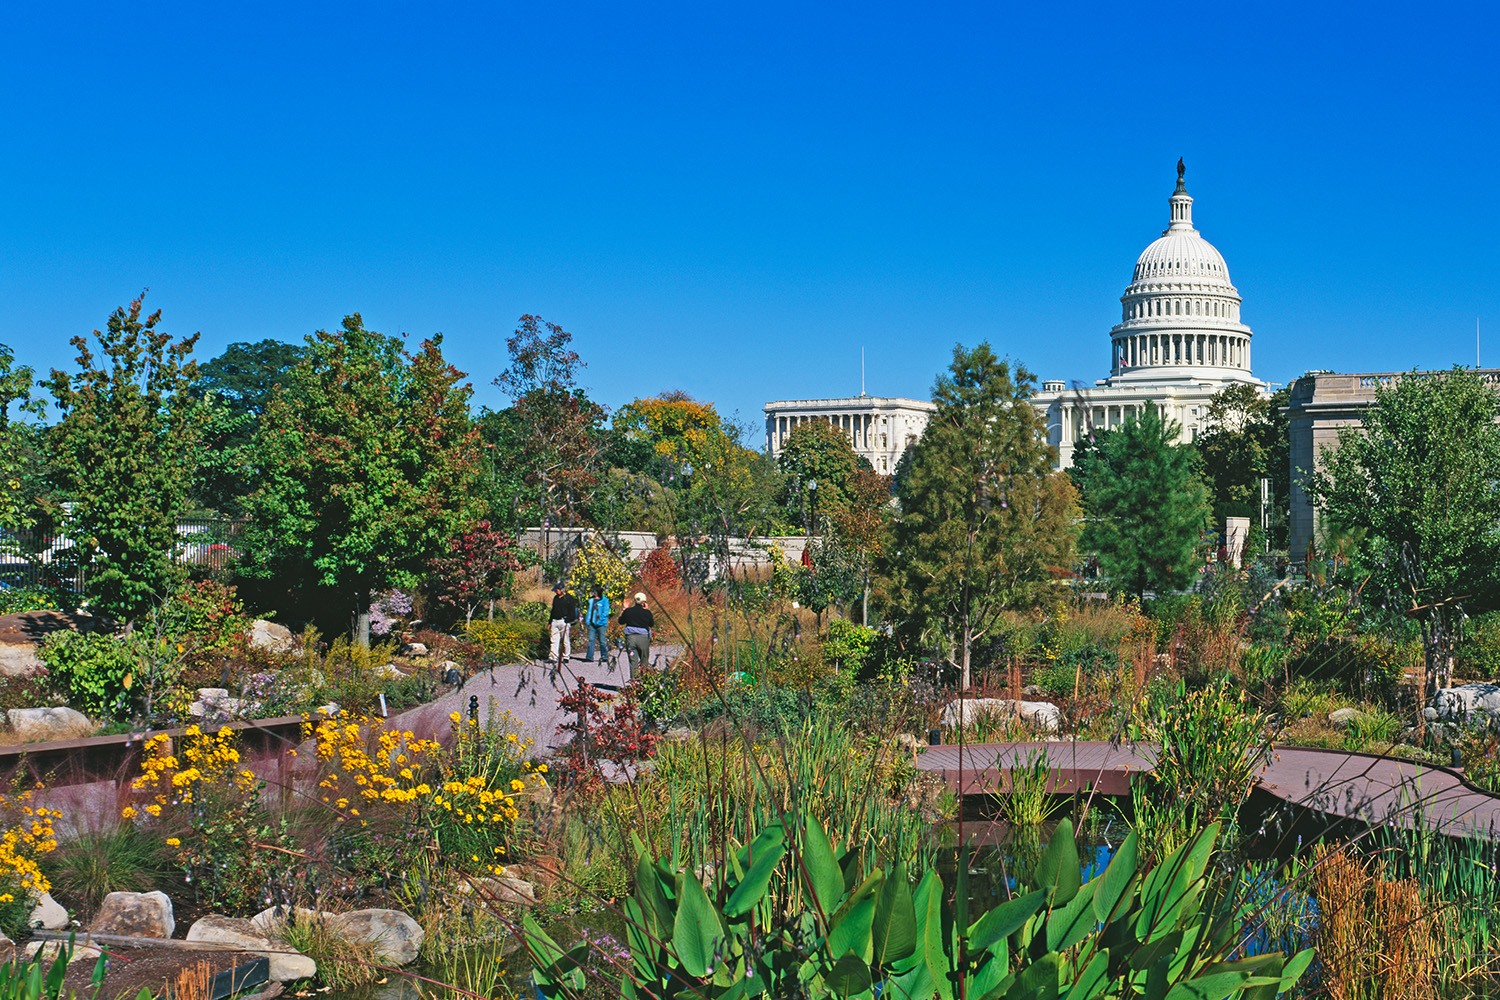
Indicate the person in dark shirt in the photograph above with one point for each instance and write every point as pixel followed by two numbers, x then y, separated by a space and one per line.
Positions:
pixel 564 614
pixel 638 623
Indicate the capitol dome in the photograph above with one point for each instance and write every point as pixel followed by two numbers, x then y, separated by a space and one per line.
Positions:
pixel 1181 313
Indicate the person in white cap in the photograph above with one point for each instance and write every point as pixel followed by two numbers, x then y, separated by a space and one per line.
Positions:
pixel 638 623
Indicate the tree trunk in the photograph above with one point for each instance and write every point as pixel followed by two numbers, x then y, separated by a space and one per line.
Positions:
pixel 362 621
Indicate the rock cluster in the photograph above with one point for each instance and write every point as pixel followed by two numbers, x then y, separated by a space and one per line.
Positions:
pixel 1043 716
pixel 1476 704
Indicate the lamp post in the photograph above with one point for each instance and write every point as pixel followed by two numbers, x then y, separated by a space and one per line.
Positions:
pixel 812 507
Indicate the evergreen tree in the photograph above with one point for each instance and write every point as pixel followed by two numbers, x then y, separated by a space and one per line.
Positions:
pixel 985 523
pixel 126 451
pixel 1145 504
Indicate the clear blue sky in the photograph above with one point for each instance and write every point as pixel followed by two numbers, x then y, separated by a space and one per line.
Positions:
pixel 732 200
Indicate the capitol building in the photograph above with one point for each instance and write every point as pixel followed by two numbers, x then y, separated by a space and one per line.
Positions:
pixel 1179 341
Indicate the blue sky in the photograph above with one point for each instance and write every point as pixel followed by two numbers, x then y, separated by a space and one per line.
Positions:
pixel 733 200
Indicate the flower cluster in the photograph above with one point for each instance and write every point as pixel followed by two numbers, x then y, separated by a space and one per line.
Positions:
pixel 26 837
pixel 209 762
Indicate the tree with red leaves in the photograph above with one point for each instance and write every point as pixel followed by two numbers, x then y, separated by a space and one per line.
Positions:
pixel 479 568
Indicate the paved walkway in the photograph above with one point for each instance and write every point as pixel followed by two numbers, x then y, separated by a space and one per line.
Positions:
pixel 1364 787
pixel 529 692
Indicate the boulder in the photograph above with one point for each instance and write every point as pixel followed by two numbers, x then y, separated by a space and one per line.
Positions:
pixel 387 672
pixel 216 703
pixel 395 937
pixel 48 913
pixel 272 919
pixel 286 965
pixel 31 724
pixel 1477 703
pixel 1041 715
pixel 269 635
pixel 135 914
pixel 416 649
pixel 331 709
pixel 19 659
pixel 7 949
pixel 501 889
pixel 49 950
pixel 1343 718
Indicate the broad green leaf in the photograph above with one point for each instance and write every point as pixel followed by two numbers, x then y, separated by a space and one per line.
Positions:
pixel 1117 878
pixel 1092 980
pixel 1042 976
pixel 848 977
pixel 1058 870
pixel 1211 987
pixel 1004 920
pixel 552 967
pixel 1074 922
pixel 915 983
pixel 657 910
pixel 696 929
pixel 893 933
pixel 851 935
pixel 765 852
pixel 929 908
pixel 823 883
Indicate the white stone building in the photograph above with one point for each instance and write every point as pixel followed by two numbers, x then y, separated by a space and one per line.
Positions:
pixel 1179 341
pixel 880 428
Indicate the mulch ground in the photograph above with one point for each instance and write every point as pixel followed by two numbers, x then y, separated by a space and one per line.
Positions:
pixel 129 970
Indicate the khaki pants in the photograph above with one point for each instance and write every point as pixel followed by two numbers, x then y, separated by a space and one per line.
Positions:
pixel 562 639
pixel 638 648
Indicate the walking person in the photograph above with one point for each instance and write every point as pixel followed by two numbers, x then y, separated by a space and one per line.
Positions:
pixel 638 623
pixel 595 622
pixel 564 614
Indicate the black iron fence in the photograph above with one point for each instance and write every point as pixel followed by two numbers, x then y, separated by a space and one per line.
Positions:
pixel 36 558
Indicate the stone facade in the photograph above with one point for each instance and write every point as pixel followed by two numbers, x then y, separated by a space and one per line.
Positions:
pixel 880 428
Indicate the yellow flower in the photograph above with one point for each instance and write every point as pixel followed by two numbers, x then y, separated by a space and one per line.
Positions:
pixel 128 812
pixel 173 842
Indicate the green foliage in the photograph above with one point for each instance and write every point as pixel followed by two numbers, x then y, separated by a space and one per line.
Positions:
pixel 819 463
pixel 119 858
pixel 1239 443
pixel 535 612
pixel 985 524
pixel 364 464
pixel 507 640
pixel 206 616
pixel 14 600
pixel 1419 480
pixel 19 440
pixel 600 564
pixel 238 386
pixel 1027 801
pixel 849 645
pixel 97 674
pixel 1145 505
pixel 787 915
pixel 1479 654
pixel 126 450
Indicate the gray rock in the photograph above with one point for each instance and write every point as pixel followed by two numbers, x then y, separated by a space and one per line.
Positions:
pixel 269 635
pixel 1042 715
pixel 395 937
pixel 286 965
pixel 48 913
pixel 216 703
pixel 331 709
pixel 387 672
pixel 30 724
pixel 1476 703
pixel 1343 718
pixel 49 950
pixel 416 649
pixel 135 914
pixel 7 949
pixel 19 659
pixel 273 919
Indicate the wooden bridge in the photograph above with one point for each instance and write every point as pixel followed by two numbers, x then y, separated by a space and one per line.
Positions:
pixel 1354 786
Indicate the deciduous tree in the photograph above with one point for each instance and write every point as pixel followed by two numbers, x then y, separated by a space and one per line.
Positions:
pixel 1422 478
pixel 985 523
pixel 478 567
pixel 366 462
pixel 1145 503
pixel 125 451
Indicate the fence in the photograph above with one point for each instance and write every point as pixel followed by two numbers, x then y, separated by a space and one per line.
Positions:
pixel 35 558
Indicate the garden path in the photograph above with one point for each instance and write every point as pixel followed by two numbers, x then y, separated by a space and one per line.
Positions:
pixel 1364 787
pixel 529 692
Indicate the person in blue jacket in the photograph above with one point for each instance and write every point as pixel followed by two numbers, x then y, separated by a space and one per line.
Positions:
pixel 595 621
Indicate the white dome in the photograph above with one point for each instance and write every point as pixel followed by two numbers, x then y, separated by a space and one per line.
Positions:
pixel 1180 315
pixel 1182 255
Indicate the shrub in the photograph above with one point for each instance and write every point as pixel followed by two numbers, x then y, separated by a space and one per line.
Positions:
pixel 206 616
pixel 597 566
pixel 96 673
pixel 120 858
pixel 506 640
pixel 659 570
pixel 849 645
pixel 14 600
pixel 529 611
pixel 1479 654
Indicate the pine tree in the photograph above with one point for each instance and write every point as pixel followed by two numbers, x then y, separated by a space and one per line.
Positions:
pixel 1145 504
pixel 985 523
